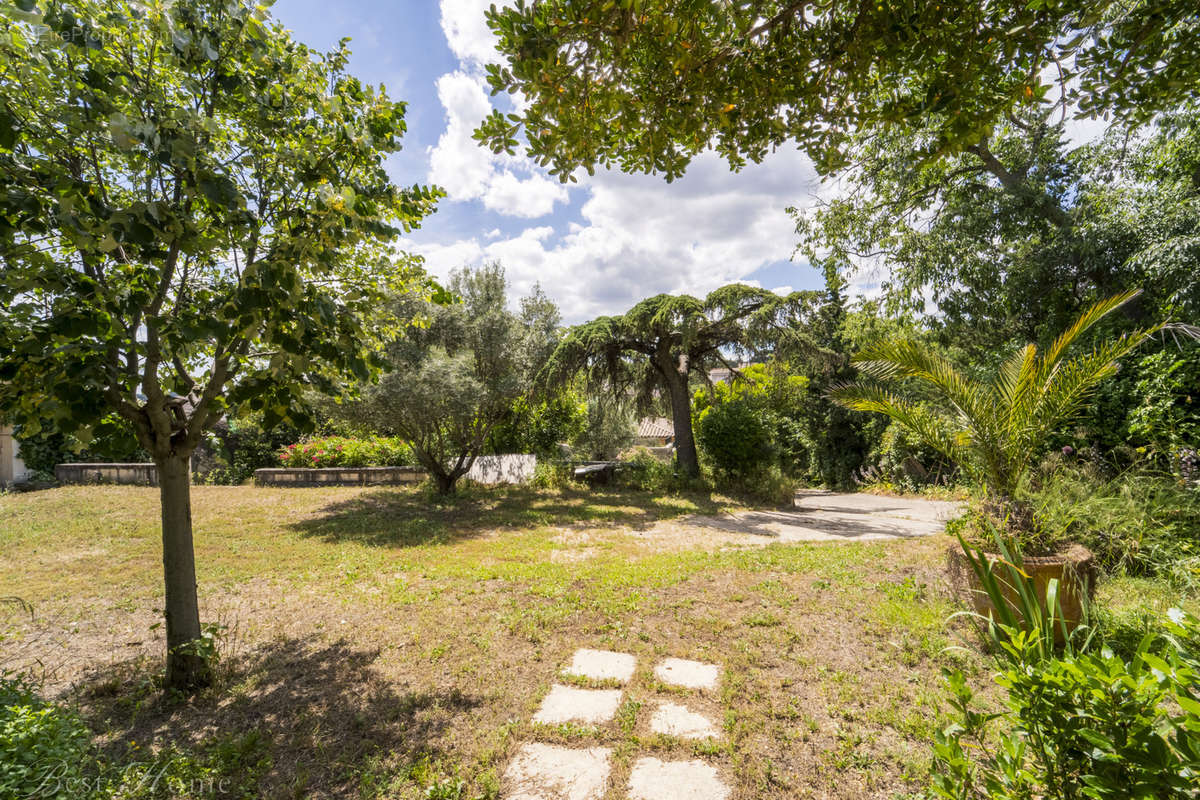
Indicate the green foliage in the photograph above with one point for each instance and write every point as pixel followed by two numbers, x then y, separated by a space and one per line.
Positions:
pixel 642 470
pixel 646 85
pixel 904 460
pixel 1166 418
pixel 231 765
pixel 539 426
pixel 154 238
pixel 45 750
pixel 340 451
pixel 451 382
pixel 243 446
pixel 652 350
pixel 736 436
pixel 1136 523
pixel 1091 725
pixel 993 429
pixel 112 439
pixel 608 428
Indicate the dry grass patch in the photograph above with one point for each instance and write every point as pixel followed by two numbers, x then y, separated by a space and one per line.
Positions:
pixel 379 644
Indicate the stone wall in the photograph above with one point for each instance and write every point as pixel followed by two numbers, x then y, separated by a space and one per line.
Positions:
pixel 127 474
pixel 486 469
pixel 337 476
pixel 503 469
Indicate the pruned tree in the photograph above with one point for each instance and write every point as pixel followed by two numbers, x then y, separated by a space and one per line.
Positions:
pixel 194 217
pixel 656 347
pixel 452 381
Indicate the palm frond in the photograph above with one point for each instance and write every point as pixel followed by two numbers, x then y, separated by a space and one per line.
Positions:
pixel 937 433
pixel 1086 320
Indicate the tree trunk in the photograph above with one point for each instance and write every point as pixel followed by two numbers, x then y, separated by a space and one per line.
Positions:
pixel 187 664
pixel 681 417
pixel 445 482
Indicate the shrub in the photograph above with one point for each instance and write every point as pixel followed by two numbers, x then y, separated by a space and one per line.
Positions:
pixel 736 437
pixel 640 469
pixel 1089 725
pixel 1167 415
pixel 538 428
pixel 112 439
pixel 45 750
pixel 1137 523
pixel 996 428
pixel 903 460
pixel 551 474
pixel 241 448
pixel 339 451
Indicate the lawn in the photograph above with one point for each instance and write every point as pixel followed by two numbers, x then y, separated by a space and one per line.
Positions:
pixel 374 643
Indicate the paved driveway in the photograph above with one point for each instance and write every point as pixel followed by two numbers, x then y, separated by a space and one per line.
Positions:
pixel 828 516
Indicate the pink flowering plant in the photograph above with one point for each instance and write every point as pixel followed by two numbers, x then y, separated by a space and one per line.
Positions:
pixel 341 451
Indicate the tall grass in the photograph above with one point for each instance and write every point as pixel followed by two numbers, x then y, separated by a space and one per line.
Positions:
pixel 1137 523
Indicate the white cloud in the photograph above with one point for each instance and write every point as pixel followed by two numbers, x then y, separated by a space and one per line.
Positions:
pixel 468 171
pixel 635 235
pixel 467 32
pixel 534 197
pixel 640 236
pixel 458 163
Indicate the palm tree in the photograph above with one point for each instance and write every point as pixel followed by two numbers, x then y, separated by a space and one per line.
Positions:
pixel 993 429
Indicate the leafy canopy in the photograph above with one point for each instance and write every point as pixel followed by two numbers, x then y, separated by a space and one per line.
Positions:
pixel 192 204
pixel 648 84
pixel 451 382
pixel 1019 233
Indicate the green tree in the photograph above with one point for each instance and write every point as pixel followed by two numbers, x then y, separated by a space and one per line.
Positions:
pixel 539 426
pixel 994 429
pixel 194 216
pixel 1014 237
pixel 451 382
pixel 648 84
pixel 656 347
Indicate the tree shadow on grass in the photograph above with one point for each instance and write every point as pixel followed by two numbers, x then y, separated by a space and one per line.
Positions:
pixel 328 718
pixel 409 517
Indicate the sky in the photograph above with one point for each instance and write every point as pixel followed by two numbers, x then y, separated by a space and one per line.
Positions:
pixel 597 246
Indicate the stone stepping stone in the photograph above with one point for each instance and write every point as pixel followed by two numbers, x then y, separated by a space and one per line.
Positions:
pixel 548 772
pixel 676 720
pixel 652 779
pixel 569 704
pixel 602 665
pixel 688 674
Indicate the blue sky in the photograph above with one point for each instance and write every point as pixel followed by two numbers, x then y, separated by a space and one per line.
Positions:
pixel 596 246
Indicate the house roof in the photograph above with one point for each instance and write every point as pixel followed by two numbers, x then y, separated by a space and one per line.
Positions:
pixel 655 427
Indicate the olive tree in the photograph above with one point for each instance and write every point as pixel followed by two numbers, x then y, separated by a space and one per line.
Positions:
pixel 450 382
pixel 194 216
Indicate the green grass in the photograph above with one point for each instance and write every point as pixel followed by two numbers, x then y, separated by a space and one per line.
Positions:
pixel 384 645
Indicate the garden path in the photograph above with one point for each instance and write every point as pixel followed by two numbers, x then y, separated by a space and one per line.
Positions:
pixel 553 772
pixel 829 516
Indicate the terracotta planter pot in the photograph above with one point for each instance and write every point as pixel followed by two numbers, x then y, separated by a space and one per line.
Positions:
pixel 1073 568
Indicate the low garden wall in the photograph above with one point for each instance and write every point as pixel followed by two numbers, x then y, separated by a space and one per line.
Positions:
pixel 337 476
pixel 128 474
pixel 487 470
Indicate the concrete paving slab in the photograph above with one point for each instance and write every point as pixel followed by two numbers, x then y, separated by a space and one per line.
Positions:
pixel 548 772
pixel 689 674
pixel 676 720
pixel 826 516
pixel 652 779
pixel 569 704
pixel 602 665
